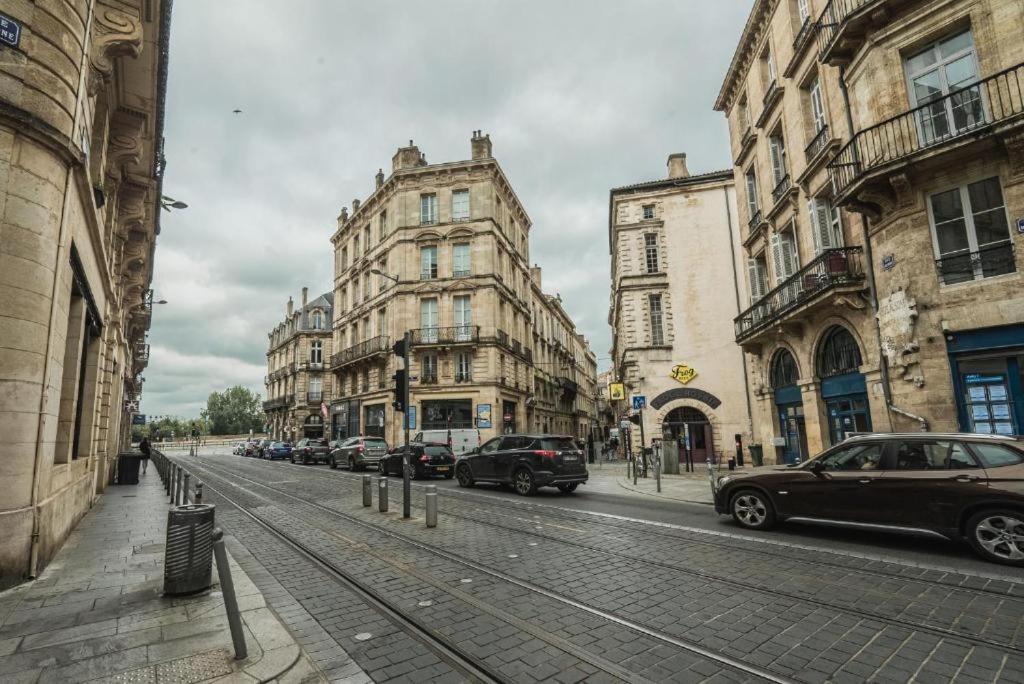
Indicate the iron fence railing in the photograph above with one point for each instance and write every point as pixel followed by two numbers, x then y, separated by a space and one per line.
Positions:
pixel 966 111
pixel 456 334
pixel 832 268
pixel 279 402
pixel 990 260
pixel 804 35
pixel 314 398
pixel 374 345
pixel 832 18
pixel 770 93
pixel 818 143
pixel 781 188
pixel 755 221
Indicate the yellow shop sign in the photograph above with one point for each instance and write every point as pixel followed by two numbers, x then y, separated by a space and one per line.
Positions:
pixel 683 373
pixel 616 391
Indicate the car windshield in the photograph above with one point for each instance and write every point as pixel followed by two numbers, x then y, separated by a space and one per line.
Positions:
pixel 558 444
pixel 437 451
pixel 280 444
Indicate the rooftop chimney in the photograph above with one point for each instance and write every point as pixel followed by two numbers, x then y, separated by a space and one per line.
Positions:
pixel 305 295
pixel 407 158
pixel 677 165
pixel 379 178
pixel 481 145
pixel 535 275
pixel 291 307
pixel 355 206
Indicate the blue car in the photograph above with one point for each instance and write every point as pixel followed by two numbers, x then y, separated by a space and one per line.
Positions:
pixel 278 450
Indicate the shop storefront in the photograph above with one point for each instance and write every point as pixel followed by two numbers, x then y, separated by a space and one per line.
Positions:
pixel 313 426
pixel 986 368
pixel 344 419
pixel 444 414
pixel 373 420
pixel 843 387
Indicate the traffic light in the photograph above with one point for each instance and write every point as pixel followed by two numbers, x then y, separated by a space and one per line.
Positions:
pixel 401 387
pixel 635 419
pixel 399 348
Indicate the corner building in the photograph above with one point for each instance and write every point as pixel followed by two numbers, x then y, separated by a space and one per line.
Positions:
pixel 807 328
pixel 298 384
pixel 674 260
pixel 81 162
pixel 936 168
pixel 450 246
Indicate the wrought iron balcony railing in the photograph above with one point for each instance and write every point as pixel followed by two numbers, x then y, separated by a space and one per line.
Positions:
pixel 456 334
pixel 502 338
pixel 944 120
pixel 361 350
pixel 990 260
pixel 569 388
pixel 830 269
pixel 312 365
pixel 770 93
pixel 833 19
pixel 781 188
pixel 141 351
pixel 280 402
pixel 803 36
pixel 755 221
pixel 314 398
pixel 818 143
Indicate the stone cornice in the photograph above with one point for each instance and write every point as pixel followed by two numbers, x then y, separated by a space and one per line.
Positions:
pixel 753 30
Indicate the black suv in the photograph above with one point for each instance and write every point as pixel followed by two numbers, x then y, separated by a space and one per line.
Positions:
pixel 525 462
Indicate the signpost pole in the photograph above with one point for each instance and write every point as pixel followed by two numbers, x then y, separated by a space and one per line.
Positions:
pixel 406 484
pixel 643 449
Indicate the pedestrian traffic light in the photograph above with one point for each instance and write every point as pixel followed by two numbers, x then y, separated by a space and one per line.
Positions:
pixel 401 386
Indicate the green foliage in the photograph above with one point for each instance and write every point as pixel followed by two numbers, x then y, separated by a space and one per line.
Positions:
pixel 169 427
pixel 234 411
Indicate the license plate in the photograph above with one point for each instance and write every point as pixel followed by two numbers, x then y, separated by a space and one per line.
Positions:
pixel 569 459
pixel 442 469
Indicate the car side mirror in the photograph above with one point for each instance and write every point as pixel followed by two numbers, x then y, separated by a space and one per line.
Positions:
pixel 817 467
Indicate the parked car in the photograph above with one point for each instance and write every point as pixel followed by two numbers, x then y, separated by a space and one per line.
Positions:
pixel 238 449
pixel 311 450
pixel 276 450
pixel 526 462
pixel 261 447
pixel 252 448
pixel 426 459
pixel 462 441
pixel 958 486
pixel 359 453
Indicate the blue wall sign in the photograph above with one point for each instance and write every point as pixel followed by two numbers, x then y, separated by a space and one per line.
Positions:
pixel 410 417
pixel 139 419
pixel 639 402
pixel 888 261
pixel 10 31
pixel 1020 225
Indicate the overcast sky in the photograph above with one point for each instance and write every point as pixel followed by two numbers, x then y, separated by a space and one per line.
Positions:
pixel 578 97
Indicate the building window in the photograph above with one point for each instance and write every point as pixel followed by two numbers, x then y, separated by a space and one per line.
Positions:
pixel 428 263
pixel 367 238
pixel 817 105
pixel 382 282
pixel 803 7
pixel 657 326
pixel 428 209
pixel 970 232
pixel 382 322
pixel 785 259
pixel 651 252
pixel 428 320
pixel 316 352
pixel 382 226
pixel 463 318
pixel 460 205
pixel 744 114
pixel 460 260
pixel 344 258
pixel 777 148
pixel 463 367
pixel 838 354
pixel 648 211
pixel 315 389
pixel 364 381
pixel 428 368
pixel 454 414
pixel 942 68
pixel 318 320
pixel 367 291
pixel 753 202
pixel 768 65
pixel 826 224
pixel 757 274
pixel 355 248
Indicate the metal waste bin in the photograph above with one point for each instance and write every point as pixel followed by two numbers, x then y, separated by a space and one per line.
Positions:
pixel 128 468
pixel 188 556
pixel 756 454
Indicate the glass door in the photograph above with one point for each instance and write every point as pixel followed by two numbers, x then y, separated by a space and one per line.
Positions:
pixel 847 415
pixel 463 319
pixel 428 320
pixel 791 422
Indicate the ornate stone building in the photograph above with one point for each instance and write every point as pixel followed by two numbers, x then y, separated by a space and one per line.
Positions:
pixel 807 328
pixel 675 255
pixel 81 125
pixel 298 382
pixel 442 250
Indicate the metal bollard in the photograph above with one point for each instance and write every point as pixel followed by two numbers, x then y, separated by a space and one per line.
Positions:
pixel 227 588
pixel 367 490
pixel 184 490
pixel 199 492
pixel 657 464
pixel 382 494
pixel 431 499
pixel 169 479
pixel 174 483
pixel 177 488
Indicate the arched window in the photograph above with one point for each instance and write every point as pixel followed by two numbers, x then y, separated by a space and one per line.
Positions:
pixel 838 353
pixel 783 370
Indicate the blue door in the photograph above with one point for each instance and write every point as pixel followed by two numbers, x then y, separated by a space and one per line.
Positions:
pixel 791 423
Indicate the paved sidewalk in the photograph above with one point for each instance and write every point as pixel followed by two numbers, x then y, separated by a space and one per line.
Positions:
pixel 611 478
pixel 97 614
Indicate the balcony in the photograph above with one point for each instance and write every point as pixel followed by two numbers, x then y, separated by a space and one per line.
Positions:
pixel 365 349
pixel 569 389
pixel 312 365
pixel 457 334
pixel 781 189
pixel 832 270
pixel 314 398
pixel 502 338
pixel 819 143
pixel 756 220
pixel 746 144
pixel 963 116
pixel 280 402
pixel 771 97
pixel 141 351
pixel 991 260
pixel 843 27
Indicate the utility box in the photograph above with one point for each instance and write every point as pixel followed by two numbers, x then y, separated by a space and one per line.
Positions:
pixel 188 556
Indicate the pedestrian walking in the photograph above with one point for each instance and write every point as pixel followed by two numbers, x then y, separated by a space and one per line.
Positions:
pixel 144 448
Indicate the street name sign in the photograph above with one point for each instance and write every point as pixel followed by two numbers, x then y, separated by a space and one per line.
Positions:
pixel 10 31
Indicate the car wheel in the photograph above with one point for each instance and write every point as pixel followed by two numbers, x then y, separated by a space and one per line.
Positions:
pixel 752 509
pixel 524 483
pixel 568 488
pixel 465 476
pixel 352 464
pixel 998 536
pixel 334 464
pixel 382 467
pixel 449 475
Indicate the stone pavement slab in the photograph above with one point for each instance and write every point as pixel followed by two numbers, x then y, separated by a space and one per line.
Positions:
pixel 97 612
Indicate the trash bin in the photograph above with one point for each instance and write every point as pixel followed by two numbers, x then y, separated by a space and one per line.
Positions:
pixel 188 554
pixel 128 468
pixel 756 454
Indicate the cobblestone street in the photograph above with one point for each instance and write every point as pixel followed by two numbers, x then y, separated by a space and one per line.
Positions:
pixel 513 589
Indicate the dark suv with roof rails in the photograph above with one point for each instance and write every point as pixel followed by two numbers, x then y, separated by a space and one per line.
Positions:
pixel 957 486
pixel 526 462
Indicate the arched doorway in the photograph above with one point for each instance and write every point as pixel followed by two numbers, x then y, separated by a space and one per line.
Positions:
pixel 789 405
pixel 843 388
pixel 695 429
pixel 314 426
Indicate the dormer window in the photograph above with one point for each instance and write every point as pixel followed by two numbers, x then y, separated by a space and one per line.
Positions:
pixel 318 320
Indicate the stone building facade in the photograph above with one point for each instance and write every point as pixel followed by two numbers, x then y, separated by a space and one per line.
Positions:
pixel 81 125
pixel 442 251
pixel 298 383
pixel 807 329
pixel 936 168
pixel 675 257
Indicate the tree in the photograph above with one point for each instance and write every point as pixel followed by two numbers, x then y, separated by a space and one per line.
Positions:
pixel 160 428
pixel 234 411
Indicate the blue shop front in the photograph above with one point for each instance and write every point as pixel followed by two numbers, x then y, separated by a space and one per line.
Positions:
pixel 986 366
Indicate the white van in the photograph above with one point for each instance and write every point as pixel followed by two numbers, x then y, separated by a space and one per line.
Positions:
pixel 462 440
